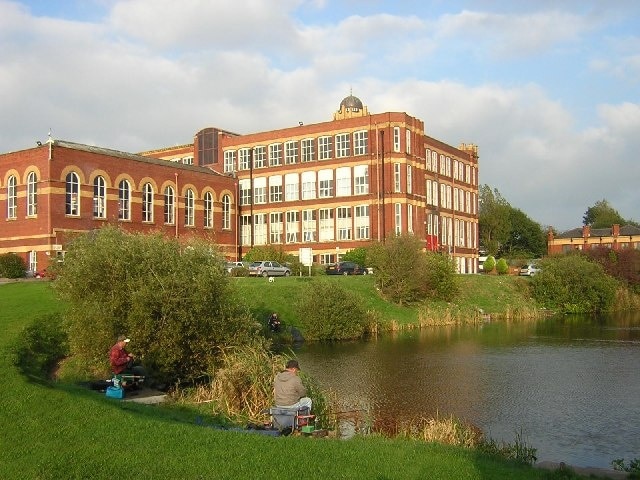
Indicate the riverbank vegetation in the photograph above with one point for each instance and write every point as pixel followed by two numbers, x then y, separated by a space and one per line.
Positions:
pixel 59 430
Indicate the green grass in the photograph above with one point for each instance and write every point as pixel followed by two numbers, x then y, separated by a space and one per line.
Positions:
pixel 62 431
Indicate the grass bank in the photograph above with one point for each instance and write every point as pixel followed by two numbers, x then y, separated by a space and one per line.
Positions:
pixel 504 297
pixel 63 431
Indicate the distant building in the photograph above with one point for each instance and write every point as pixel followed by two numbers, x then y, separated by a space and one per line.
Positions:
pixel 585 238
pixel 341 184
pixel 330 186
pixel 56 190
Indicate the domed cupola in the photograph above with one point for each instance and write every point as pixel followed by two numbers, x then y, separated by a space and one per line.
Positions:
pixel 350 107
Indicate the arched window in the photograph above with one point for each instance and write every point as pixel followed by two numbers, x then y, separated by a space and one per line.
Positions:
pixel 189 208
pixel 208 210
pixel 169 206
pixel 72 194
pixel 124 200
pixel 99 198
pixel 32 194
pixel 226 212
pixel 12 198
pixel 147 203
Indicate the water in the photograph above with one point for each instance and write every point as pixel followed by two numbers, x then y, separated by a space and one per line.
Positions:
pixel 571 385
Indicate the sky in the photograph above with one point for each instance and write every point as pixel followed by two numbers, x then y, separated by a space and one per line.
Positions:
pixel 549 90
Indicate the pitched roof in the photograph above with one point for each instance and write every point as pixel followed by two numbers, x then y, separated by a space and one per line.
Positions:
pixel 625 230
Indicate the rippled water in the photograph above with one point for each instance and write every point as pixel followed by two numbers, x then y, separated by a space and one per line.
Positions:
pixel 572 385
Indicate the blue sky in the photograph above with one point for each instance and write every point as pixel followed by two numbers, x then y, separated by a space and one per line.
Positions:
pixel 548 90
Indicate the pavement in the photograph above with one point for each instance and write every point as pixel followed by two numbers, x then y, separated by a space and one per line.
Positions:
pixel 586 471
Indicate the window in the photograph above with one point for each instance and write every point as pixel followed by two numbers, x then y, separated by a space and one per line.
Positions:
pixel 343 182
pixel 343 146
pixel 456 205
pixel 169 206
pixel 293 226
pixel 396 139
pixel 245 191
pixel 362 222
pixel 12 198
pixel 243 159
pixel 245 229
pixel 325 148
pixel 260 190
pixel 99 198
pixel 308 225
pixel 361 142
pixel 361 179
pixel 226 212
pixel 326 225
pixel 260 229
pixel 72 194
pixel 427 160
pixel 275 227
pixel 396 177
pixel 275 154
pixel 398 217
pixel 189 208
pixel 409 179
pixel 308 185
pixel 32 194
pixel 124 200
pixel 308 154
pixel 407 140
pixel 325 183
pixel 275 189
pixel 436 200
pixel 448 165
pixel 208 210
pixel 291 153
pixel 344 223
pixel 443 167
pixel 33 261
pixel 147 203
pixel 291 187
pixel 409 218
pixel 434 161
pixel 229 161
pixel 259 157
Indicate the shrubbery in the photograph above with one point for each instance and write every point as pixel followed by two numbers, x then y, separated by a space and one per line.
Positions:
pixel 328 311
pixel 174 301
pixel 405 274
pixel 502 267
pixel 573 284
pixel 489 264
pixel 12 266
pixel 41 345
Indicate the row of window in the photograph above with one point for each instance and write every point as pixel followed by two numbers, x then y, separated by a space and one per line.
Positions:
pixel 452 231
pixel 298 151
pixel 310 225
pixel 446 196
pixel 442 164
pixel 12 196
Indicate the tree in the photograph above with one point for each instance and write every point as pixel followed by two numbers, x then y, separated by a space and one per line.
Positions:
pixel 526 238
pixel 602 215
pixel 406 274
pixel 493 219
pixel 172 299
pixel 357 255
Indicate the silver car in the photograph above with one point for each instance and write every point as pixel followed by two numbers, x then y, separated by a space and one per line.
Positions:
pixel 268 269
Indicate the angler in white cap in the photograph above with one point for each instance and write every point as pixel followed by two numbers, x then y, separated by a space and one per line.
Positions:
pixel 120 359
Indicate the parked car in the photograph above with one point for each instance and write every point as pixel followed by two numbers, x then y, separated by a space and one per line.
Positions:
pixel 345 268
pixel 231 265
pixel 529 270
pixel 268 269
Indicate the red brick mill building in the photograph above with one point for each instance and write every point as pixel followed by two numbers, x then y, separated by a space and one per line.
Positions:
pixel 330 186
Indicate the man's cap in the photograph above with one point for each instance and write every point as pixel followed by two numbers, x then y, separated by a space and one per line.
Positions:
pixel 123 338
pixel 293 364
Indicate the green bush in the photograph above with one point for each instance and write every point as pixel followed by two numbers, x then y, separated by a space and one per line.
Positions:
pixel 174 300
pixel 489 264
pixel 12 266
pixel 328 311
pixel 42 344
pixel 502 267
pixel 405 274
pixel 573 284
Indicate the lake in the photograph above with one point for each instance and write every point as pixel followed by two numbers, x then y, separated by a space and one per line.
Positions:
pixel 569 384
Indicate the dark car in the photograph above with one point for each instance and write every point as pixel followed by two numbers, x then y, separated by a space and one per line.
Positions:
pixel 345 268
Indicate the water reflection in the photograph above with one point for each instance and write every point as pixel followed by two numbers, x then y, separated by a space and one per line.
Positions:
pixel 571 383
